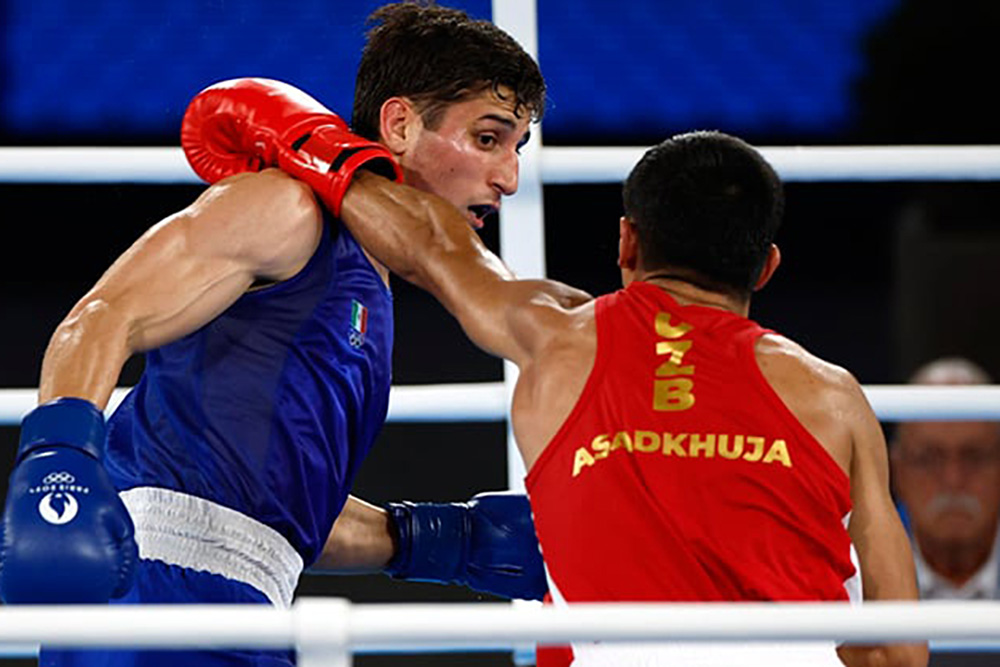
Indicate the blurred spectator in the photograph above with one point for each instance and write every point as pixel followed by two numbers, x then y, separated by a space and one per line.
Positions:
pixel 947 477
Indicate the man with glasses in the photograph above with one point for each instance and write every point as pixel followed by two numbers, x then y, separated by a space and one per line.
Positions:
pixel 947 477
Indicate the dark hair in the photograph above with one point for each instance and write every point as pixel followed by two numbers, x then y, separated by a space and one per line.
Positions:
pixel 436 56
pixel 707 203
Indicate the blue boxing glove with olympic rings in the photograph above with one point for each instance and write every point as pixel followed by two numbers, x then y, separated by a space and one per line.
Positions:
pixel 488 544
pixel 66 535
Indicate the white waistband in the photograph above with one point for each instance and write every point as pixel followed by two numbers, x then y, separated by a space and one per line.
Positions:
pixel 187 531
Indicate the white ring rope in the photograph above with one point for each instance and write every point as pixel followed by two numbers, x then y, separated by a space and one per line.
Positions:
pixel 332 623
pixel 487 401
pixel 557 164
pixel 798 163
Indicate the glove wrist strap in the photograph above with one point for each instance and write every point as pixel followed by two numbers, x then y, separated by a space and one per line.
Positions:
pixel 67 422
pixel 431 541
pixel 399 517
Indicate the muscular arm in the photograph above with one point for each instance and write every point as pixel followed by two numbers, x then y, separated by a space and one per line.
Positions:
pixel 887 567
pixel 424 240
pixel 178 276
pixel 828 401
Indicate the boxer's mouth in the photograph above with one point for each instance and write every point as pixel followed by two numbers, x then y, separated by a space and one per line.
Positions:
pixel 482 211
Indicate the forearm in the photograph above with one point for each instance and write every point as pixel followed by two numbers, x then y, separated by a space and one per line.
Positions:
pixel 415 234
pixel 887 565
pixel 359 542
pixel 426 241
pixel 65 437
pixel 888 574
pixel 85 354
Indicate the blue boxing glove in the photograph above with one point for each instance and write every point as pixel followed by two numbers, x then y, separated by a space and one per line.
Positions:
pixel 67 537
pixel 488 544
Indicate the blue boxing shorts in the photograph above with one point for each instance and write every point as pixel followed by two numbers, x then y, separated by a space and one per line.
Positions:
pixel 193 551
pixel 159 583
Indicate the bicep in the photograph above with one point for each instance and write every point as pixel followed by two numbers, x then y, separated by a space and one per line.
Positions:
pixel 193 265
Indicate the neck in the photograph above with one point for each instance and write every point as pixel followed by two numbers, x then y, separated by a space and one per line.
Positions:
pixel 686 291
pixel 955 562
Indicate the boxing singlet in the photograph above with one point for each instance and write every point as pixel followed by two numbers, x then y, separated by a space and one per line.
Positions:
pixel 246 435
pixel 680 475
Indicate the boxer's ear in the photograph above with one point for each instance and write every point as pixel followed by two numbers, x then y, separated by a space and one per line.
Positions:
pixel 770 266
pixel 398 121
pixel 628 250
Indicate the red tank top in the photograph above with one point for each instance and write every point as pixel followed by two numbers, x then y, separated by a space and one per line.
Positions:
pixel 680 475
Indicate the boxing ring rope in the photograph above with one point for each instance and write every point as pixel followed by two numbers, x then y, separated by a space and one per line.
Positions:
pixel 487 401
pixel 562 164
pixel 327 631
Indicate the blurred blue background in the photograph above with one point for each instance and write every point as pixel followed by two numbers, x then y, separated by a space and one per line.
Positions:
pixel 119 71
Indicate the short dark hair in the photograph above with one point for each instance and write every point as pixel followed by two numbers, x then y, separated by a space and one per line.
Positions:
pixel 435 56
pixel 707 203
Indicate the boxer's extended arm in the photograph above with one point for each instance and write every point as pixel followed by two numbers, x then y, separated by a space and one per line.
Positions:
pixel 887 567
pixel 425 240
pixel 178 276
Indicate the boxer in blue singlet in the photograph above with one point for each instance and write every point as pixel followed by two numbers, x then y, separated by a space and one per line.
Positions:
pixel 268 335
pixel 233 492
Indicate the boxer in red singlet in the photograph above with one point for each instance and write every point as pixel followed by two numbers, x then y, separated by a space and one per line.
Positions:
pixel 677 450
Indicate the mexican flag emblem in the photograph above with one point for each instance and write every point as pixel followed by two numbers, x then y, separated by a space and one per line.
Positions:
pixel 359 317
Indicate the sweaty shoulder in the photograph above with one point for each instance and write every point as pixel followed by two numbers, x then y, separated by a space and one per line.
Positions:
pixel 549 387
pixel 824 397
pixel 539 314
pixel 268 219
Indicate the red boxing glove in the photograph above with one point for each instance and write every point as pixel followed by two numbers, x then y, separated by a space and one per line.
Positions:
pixel 251 124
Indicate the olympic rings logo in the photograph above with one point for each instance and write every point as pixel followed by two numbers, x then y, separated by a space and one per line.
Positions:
pixel 58 478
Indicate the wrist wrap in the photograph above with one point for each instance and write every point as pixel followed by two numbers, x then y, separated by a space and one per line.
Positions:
pixel 72 422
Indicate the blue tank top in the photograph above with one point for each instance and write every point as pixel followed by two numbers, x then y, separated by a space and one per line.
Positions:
pixel 270 408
